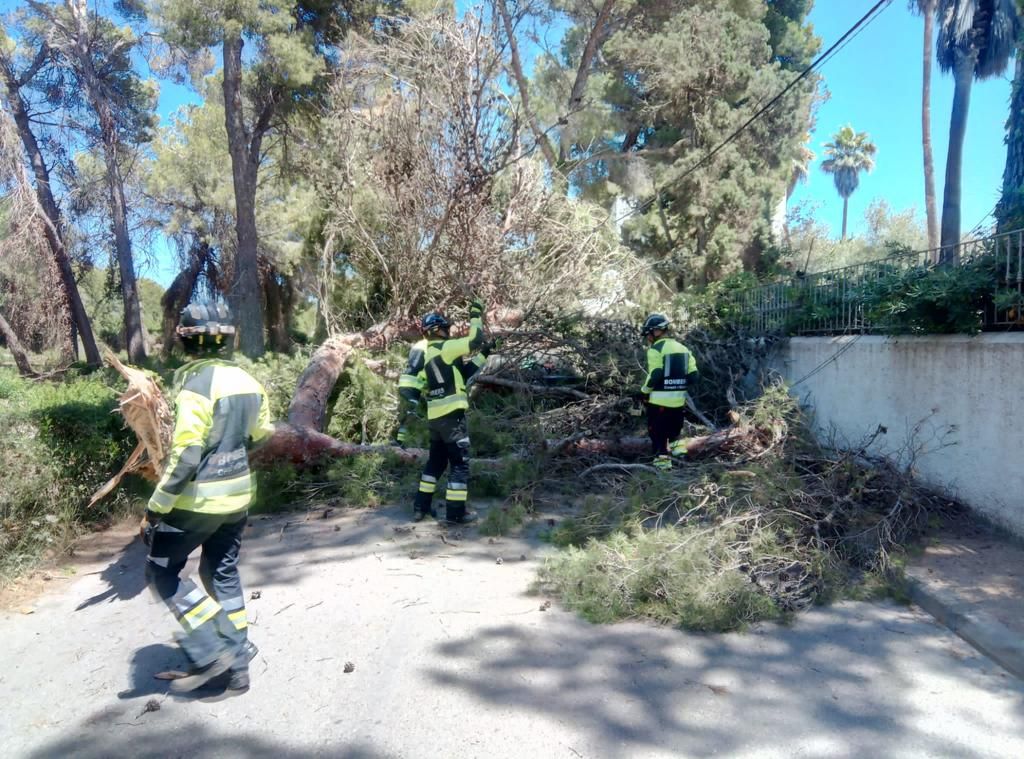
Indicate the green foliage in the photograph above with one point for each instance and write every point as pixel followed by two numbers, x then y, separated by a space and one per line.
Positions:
pixel 365 481
pixel 673 576
pixel 717 306
pixel 102 299
pixel 365 407
pixel 670 82
pixel 279 374
pixel 62 441
pixel 931 300
pixel 502 520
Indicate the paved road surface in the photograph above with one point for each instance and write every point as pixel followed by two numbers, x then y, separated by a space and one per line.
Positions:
pixel 454 658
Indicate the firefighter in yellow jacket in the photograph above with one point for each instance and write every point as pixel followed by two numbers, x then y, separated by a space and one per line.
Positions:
pixel 671 370
pixel 202 500
pixel 443 381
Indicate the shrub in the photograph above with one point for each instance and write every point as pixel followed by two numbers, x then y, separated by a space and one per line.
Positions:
pixel 62 441
pixel 501 520
pixel 674 576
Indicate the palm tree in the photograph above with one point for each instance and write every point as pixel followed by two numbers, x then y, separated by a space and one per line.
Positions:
pixel 849 154
pixel 976 40
pixel 1010 212
pixel 927 9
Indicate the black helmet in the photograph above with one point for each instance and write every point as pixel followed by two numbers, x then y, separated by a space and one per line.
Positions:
pixel 654 322
pixel 433 321
pixel 202 326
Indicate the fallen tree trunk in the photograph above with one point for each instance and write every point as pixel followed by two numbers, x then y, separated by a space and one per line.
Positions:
pixel 566 392
pixel 16 349
pixel 633 447
pixel 313 390
pixel 304 447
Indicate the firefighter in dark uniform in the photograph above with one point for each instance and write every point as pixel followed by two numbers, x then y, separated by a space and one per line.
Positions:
pixel 671 370
pixel 409 390
pixel 203 497
pixel 443 381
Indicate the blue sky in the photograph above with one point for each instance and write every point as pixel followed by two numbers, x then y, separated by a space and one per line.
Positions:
pixel 875 85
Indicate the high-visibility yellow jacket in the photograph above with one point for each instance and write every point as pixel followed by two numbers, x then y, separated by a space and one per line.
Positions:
pixel 219 411
pixel 669 364
pixel 409 386
pixel 444 373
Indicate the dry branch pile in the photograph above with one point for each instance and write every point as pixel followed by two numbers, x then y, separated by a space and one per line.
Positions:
pixel 770 525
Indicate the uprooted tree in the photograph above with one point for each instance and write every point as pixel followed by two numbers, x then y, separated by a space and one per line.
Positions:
pixel 430 197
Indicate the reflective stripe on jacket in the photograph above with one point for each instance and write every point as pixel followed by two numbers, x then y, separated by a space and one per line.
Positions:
pixel 444 373
pixel 668 364
pixel 219 410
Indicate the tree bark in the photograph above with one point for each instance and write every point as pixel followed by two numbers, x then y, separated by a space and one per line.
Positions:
pixel 16 349
pixel 846 211
pixel 244 291
pixel 596 38
pixel 179 293
pixel 70 297
pixel 964 79
pixel 135 341
pixel 524 94
pixel 926 127
pixel 566 392
pixel 279 295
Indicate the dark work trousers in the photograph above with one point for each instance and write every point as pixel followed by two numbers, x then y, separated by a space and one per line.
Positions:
pixel 213 615
pixel 663 426
pixel 449 448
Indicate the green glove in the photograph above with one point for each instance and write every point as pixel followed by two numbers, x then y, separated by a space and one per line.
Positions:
pixel 476 308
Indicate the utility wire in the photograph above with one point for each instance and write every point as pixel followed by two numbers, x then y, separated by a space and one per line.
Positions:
pixel 851 33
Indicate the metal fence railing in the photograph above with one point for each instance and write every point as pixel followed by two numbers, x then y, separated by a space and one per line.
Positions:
pixel 839 301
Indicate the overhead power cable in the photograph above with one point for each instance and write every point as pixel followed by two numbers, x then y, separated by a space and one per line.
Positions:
pixel 850 34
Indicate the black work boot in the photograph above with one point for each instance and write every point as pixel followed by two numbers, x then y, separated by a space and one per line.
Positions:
pixel 238 679
pixel 200 676
pixel 458 514
pixel 418 515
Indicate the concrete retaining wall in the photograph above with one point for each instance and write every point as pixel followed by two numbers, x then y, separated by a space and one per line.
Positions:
pixel 955 400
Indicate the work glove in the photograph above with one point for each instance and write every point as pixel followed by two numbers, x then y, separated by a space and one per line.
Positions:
pixel 476 308
pixel 148 525
pixel 490 347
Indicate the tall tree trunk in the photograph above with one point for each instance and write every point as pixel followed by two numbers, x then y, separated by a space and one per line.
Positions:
pixel 926 128
pixel 135 341
pixel 279 295
pixel 599 34
pixel 244 291
pixel 1010 212
pixel 71 298
pixel 524 93
pixel 16 349
pixel 964 78
pixel 846 210
pixel 179 293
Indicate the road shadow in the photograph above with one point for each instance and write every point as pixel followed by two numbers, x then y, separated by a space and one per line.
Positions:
pixel 123 576
pixel 96 740
pixel 638 686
